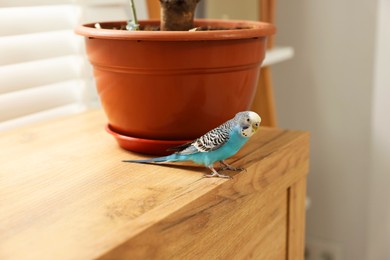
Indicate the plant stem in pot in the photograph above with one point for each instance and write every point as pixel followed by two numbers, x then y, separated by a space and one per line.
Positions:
pixel 177 15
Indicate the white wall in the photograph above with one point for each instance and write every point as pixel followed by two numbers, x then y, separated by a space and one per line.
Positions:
pixel 380 150
pixel 329 89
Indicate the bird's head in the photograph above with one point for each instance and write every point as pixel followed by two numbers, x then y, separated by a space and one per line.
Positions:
pixel 249 122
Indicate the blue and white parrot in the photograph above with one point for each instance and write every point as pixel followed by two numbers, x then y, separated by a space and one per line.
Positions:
pixel 216 145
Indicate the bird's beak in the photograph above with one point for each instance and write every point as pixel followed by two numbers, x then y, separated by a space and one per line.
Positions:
pixel 254 128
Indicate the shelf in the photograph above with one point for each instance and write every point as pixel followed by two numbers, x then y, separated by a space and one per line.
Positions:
pixel 277 55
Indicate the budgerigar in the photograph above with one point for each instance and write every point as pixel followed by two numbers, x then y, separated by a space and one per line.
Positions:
pixel 216 145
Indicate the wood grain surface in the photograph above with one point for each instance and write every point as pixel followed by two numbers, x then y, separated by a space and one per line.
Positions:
pixel 65 194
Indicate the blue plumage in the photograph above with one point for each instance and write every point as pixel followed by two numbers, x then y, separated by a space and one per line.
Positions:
pixel 216 145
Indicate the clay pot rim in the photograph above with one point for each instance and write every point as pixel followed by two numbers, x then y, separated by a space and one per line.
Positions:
pixel 255 29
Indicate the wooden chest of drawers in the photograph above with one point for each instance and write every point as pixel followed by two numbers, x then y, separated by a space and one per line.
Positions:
pixel 65 194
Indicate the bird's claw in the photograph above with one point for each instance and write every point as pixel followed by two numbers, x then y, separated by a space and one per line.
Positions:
pixel 214 173
pixel 219 175
pixel 230 168
pixel 225 166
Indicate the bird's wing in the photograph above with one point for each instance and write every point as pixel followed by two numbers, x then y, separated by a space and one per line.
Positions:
pixel 210 141
pixel 180 147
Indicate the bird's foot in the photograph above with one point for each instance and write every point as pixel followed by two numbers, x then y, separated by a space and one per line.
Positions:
pixel 229 168
pixel 214 173
pixel 218 175
pixel 226 166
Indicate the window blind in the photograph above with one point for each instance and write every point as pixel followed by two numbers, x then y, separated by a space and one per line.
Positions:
pixel 43 69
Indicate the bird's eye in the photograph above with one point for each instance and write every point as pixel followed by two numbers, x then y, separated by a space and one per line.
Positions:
pixel 248 120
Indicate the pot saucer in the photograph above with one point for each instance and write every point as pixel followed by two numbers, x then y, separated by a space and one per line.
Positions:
pixel 144 146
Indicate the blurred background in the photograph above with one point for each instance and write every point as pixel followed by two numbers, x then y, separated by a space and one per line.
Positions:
pixel 336 86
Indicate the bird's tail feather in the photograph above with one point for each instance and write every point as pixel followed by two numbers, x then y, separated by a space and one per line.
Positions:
pixel 153 160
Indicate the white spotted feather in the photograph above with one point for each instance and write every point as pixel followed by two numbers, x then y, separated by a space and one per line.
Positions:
pixel 215 138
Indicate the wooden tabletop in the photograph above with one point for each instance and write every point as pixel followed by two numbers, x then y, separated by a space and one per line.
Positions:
pixel 65 194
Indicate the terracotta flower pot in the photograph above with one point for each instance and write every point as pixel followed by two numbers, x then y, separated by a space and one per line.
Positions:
pixel 169 86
